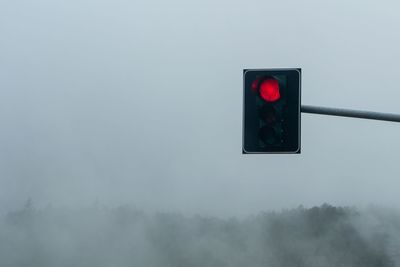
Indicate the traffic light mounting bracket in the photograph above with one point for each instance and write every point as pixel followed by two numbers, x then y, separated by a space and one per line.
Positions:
pixel 361 114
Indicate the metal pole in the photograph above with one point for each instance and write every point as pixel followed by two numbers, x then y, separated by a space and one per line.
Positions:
pixel 351 113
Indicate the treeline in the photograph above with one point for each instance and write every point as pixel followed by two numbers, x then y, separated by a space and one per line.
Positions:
pixel 125 236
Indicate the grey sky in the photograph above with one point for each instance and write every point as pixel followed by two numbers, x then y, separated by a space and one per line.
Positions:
pixel 140 102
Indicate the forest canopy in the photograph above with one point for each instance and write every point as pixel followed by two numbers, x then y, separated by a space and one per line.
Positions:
pixel 126 236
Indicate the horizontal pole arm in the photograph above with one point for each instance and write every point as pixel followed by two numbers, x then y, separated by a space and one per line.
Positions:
pixel 351 113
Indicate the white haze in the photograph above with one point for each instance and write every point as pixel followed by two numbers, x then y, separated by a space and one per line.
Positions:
pixel 139 102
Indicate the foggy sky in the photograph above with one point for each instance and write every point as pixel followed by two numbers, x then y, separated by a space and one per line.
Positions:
pixel 141 102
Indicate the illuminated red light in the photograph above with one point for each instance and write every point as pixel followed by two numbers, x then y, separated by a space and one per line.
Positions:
pixel 269 90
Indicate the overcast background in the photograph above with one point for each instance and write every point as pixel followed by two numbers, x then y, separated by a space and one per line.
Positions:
pixel 140 102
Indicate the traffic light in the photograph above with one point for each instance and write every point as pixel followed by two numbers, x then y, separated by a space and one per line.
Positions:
pixel 271 111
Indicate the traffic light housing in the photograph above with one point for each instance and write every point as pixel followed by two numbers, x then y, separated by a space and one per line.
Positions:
pixel 271 111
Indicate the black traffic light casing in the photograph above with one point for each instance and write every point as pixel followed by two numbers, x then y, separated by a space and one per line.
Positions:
pixel 271 110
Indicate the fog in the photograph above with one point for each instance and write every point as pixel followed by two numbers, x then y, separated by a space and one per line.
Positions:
pixel 139 103
pixel 126 236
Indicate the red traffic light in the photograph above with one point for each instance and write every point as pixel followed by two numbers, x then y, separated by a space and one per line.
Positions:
pixel 271 111
pixel 269 90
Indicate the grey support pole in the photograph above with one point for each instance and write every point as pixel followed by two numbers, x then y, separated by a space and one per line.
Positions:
pixel 351 113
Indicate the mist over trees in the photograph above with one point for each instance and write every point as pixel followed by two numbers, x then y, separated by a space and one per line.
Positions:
pixel 126 236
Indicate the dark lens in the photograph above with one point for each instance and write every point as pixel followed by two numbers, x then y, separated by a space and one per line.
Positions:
pixel 268 114
pixel 268 135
